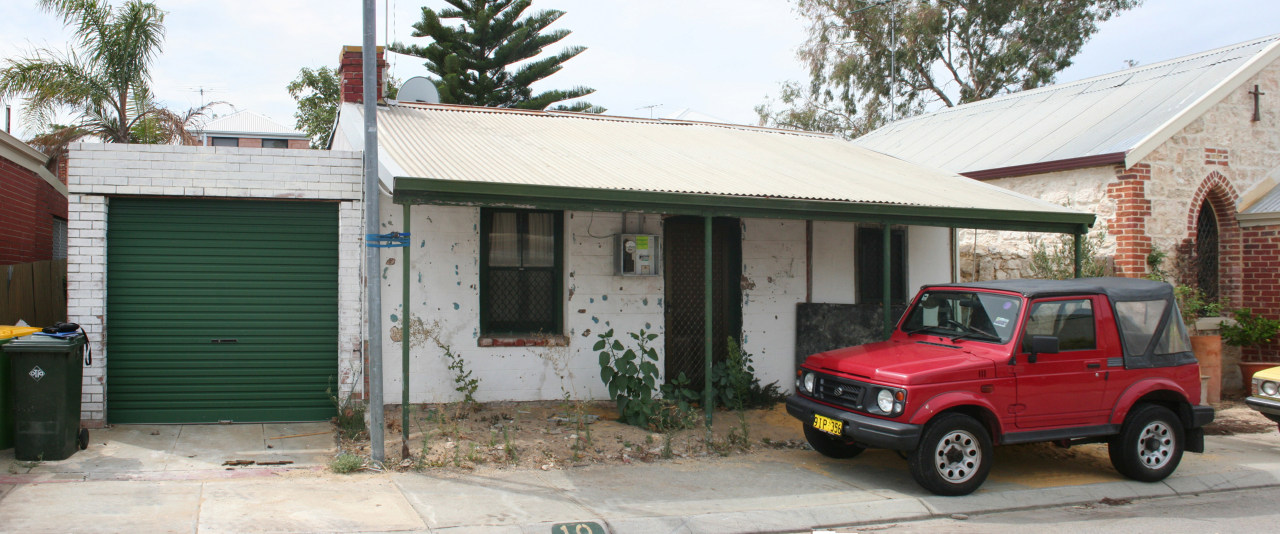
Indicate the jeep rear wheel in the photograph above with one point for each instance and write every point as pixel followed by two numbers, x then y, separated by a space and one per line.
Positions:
pixel 831 446
pixel 954 455
pixel 1149 445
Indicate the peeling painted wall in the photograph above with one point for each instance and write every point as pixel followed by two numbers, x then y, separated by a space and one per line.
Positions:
pixel 773 261
pixel 445 305
pixel 444 302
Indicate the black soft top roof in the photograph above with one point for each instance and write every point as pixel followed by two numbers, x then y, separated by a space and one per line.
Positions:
pixel 1116 288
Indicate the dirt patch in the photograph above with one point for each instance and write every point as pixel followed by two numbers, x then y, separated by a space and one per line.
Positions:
pixel 1232 416
pixel 555 435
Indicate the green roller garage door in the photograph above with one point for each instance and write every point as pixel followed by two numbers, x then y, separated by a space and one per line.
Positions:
pixel 221 310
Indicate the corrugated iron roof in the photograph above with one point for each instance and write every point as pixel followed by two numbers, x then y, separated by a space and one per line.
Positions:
pixel 1269 203
pixel 1263 210
pixel 249 123
pixel 1117 113
pixel 504 146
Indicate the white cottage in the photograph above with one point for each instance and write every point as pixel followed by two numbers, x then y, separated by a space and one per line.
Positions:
pixel 532 232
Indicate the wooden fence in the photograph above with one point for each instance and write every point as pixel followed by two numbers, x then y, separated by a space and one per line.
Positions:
pixel 33 292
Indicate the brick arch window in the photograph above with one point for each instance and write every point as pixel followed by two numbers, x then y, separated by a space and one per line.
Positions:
pixel 1207 251
pixel 1213 244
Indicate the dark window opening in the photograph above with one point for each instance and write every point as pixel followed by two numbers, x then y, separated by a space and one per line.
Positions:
pixel 275 143
pixel 59 238
pixel 224 141
pixel 1206 265
pixel 520 272
pixel 870 265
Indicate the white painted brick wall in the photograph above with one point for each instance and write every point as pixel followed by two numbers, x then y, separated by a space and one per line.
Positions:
pixel 445 292
pixel 444 280
pixel 773 271
pixel 97 171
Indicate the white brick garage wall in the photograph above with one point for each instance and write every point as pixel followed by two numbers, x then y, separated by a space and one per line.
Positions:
pixel 98 172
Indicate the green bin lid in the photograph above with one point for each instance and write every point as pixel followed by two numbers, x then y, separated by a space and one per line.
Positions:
pixel 34 343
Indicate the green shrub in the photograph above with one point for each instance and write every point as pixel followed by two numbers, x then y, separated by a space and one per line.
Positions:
pixel 346 463
pixel 1057 262
pixel 631 376
pixel 1249 329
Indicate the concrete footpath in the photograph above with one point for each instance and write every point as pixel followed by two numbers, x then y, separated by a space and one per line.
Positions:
pixel 171 479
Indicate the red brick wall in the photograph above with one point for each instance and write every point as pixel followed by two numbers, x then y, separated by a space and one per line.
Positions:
pixel 1261 291
pixel 1129 225
pixel 1223 197
pixel 299 143
pixel 352 75
pixel 249 142
pixel 26 218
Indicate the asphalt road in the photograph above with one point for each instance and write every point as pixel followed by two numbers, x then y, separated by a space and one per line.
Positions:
pixel 1229 511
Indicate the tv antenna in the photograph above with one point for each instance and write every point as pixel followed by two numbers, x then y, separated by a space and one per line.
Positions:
pixel 202 90
pixel 650 108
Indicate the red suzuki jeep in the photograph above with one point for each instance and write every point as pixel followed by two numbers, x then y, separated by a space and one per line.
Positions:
pixel 1013 361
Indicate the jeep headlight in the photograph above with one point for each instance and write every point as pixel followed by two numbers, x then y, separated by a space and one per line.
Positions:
pixel 884 401
pixel 808 382
pixel 889 401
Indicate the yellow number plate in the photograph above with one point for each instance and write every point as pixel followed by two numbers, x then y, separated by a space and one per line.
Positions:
pixel 828 425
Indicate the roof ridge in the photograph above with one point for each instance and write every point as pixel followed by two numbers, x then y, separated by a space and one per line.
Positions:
pixel 1029 93
pixel 462 108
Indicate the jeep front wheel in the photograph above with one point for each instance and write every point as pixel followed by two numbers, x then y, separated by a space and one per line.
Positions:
pixel 954 455
pixel 1149 445
pixel 831 446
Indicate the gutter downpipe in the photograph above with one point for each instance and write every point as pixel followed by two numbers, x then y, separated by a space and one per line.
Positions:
pixel 404 340
pixel 373 289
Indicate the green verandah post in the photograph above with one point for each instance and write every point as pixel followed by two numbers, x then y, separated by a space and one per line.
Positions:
pixel 1079 249
pixel 887 267
pixel 707 331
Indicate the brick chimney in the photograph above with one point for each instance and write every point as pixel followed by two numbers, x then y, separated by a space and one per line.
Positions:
pixel 351 73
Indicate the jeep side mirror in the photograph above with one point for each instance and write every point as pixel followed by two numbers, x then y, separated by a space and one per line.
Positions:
pixel 1042 345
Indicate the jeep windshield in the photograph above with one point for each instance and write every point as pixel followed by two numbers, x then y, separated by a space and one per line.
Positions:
pixel 987 317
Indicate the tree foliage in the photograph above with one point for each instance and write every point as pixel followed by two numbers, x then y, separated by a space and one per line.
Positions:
pixel 104 81
pixel 474 59
pixel 317 92
pixel 895 58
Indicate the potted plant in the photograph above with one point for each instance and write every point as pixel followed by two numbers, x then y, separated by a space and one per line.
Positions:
pixel 1251 330
pixel 1194 305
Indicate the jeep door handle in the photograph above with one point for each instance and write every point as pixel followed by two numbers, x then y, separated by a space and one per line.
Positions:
pixel 1093 365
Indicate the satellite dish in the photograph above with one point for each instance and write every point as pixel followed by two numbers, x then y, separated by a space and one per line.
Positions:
pixel 418 89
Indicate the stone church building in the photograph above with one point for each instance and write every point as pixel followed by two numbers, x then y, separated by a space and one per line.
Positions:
pixel 1180 157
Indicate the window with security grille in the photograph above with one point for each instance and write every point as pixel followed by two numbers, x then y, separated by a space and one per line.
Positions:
pixel 520 271
pixel 870 265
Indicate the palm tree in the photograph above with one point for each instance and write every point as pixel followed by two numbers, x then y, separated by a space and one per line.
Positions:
pixel 105 81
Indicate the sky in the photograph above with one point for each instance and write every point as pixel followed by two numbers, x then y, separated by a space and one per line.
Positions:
pixel 720 58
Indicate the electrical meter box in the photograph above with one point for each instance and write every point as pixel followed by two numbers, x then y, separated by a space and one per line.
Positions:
pixel 638 255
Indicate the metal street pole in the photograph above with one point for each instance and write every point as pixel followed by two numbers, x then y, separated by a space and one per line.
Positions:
pixel 373 289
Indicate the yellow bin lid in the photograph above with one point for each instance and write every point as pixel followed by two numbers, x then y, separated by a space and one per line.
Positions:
pixel 9 332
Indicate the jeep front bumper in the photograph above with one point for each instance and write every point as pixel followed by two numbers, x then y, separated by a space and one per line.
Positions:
pixel 865 430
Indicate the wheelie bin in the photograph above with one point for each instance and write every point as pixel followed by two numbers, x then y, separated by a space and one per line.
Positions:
pixel 7 333
pixel 45 374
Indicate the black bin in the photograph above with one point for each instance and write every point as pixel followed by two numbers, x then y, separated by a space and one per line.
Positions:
pixel 45 375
